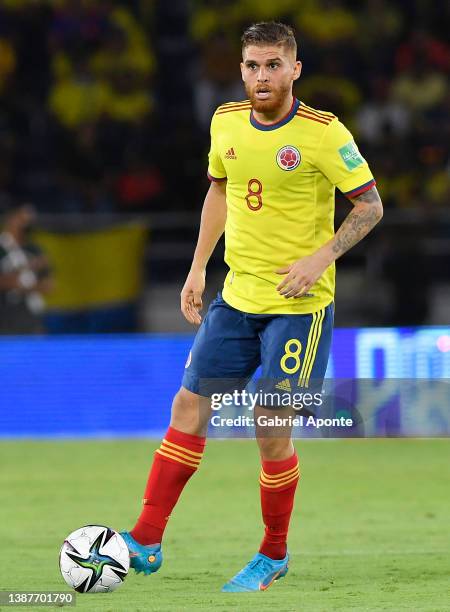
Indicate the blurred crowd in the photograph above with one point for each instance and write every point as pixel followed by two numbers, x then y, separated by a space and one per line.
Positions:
pixel 77 105
pixel 102 103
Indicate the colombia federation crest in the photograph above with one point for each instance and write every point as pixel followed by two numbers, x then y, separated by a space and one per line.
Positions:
pixel 288 158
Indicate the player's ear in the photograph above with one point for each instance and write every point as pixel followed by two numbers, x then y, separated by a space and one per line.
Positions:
pixel 297 69
pixel 242 70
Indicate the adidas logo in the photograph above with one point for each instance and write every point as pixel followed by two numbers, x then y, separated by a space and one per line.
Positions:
pixel 284 385
pixel 230 154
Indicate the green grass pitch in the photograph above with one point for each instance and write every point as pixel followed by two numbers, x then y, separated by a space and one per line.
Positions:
pixel 370 530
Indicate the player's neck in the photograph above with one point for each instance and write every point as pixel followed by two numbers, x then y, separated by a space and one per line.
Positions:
pixel 276 115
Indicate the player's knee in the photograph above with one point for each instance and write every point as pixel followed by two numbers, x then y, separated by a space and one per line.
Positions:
pixel 190 413
pixel 275 449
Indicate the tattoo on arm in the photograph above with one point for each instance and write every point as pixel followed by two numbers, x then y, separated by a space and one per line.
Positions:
pixel 368 197
pixel 366 214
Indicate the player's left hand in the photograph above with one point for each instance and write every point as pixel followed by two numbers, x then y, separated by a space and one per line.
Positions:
pixel 301 275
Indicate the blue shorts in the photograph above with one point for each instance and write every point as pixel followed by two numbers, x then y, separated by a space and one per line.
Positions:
pixel 230 345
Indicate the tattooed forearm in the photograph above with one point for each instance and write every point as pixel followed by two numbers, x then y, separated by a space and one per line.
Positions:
pixel 366 214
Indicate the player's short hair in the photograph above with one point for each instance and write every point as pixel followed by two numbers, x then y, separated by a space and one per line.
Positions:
pixel 269 33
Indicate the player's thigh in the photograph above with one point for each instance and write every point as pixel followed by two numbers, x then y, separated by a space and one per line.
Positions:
pixel 295 350
pixel 225 353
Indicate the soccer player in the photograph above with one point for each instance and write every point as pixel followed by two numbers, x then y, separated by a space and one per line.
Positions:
pixel 274 164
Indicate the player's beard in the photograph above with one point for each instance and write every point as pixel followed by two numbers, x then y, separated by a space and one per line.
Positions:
pixel 273 103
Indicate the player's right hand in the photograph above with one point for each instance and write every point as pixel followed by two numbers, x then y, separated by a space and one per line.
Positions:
pixel 191 296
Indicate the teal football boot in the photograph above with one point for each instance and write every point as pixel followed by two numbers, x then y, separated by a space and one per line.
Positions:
pixel 146 559
pixel 257 575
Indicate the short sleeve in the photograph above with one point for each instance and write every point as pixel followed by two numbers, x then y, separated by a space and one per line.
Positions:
pixel 216 169
pixel 339 159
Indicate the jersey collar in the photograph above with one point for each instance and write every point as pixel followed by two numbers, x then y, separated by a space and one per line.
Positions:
pixel 273 126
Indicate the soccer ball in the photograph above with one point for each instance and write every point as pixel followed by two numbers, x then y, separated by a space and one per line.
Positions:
pixel 94 559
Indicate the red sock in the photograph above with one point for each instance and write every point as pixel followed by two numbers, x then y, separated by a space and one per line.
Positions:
pixel 278 482
pixel 175 461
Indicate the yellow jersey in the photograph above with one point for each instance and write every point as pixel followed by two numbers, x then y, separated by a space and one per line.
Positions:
pixel 281 181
